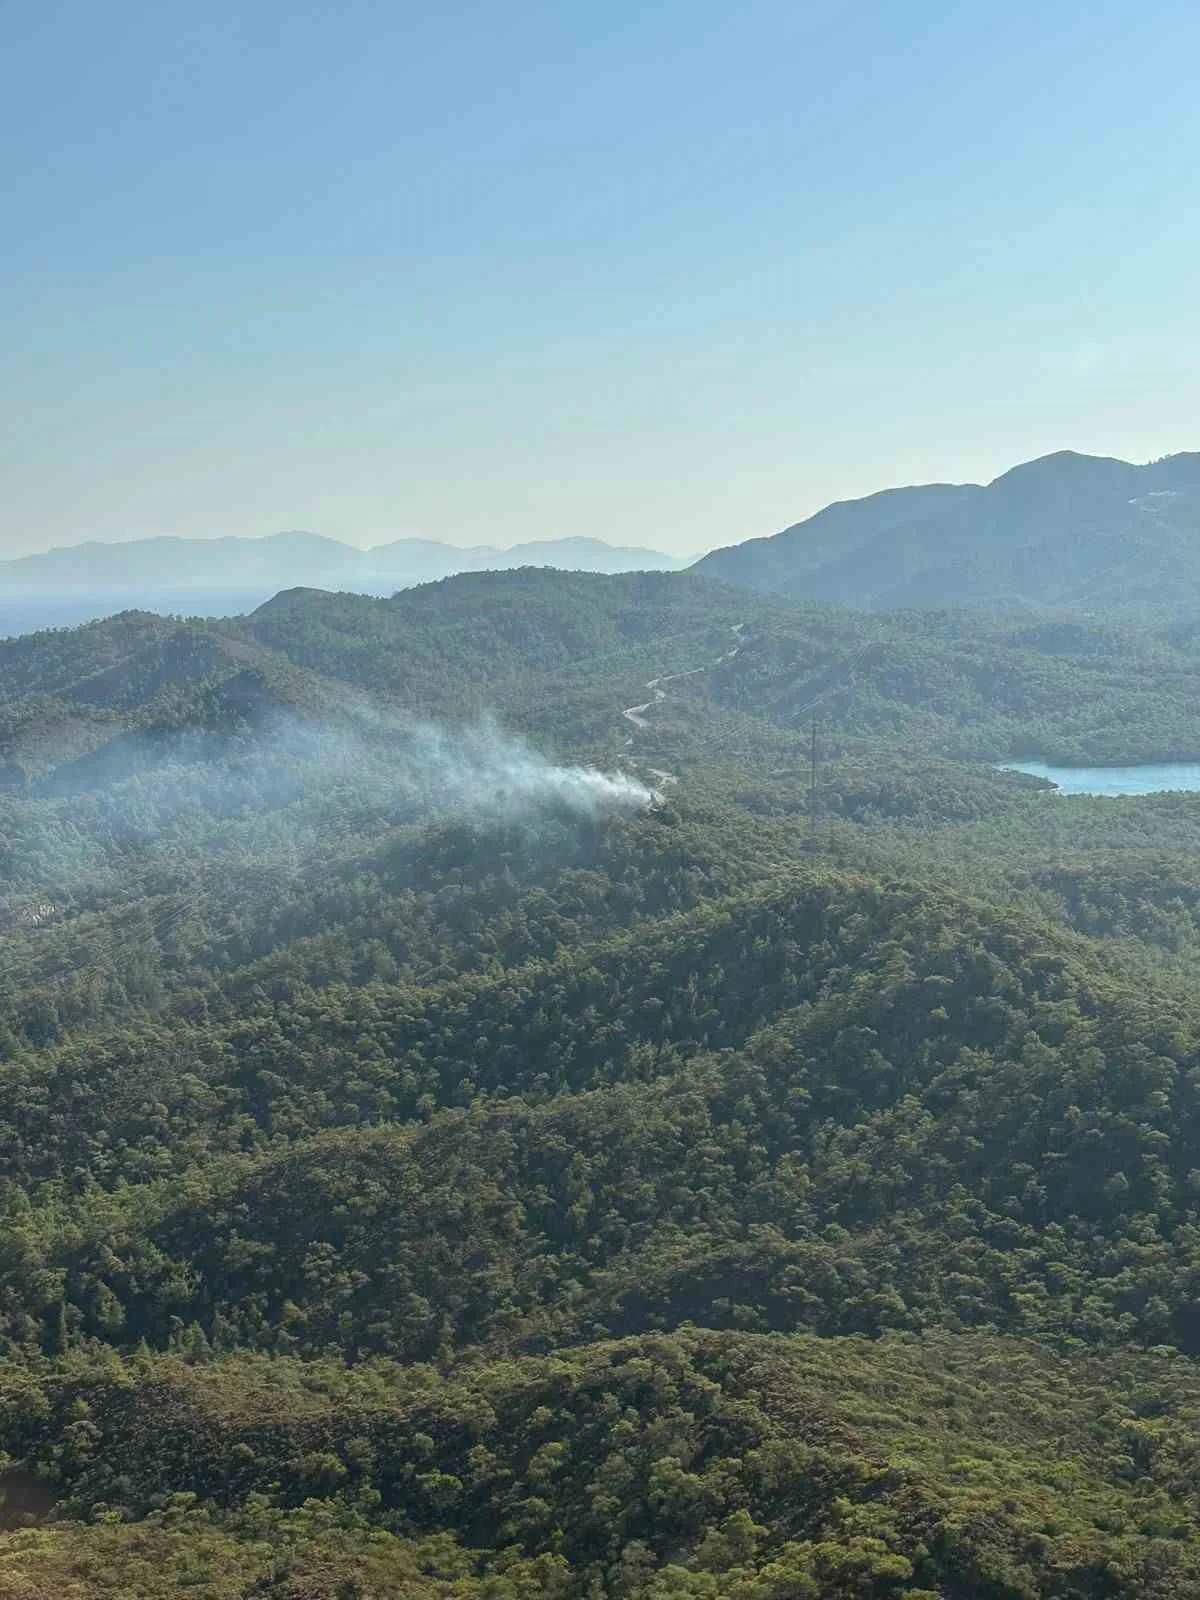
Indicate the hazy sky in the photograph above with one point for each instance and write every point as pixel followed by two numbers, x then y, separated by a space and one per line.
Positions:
pixel 673 274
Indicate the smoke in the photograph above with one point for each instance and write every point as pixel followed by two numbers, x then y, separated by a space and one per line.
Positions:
pixel 484 771
pixel 203 836
pixel 297 793
pixel 296 782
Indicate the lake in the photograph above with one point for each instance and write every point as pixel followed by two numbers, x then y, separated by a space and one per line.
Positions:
pixel 1174 776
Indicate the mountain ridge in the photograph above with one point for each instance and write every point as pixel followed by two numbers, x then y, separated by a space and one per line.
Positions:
pixel 369 557
pixel 1065 531
pixel 72 584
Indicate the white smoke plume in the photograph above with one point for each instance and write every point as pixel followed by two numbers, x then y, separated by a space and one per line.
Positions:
pixel 275 803
pixel 483 770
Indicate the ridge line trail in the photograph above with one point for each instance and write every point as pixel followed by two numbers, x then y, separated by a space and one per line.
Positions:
pixel 637 714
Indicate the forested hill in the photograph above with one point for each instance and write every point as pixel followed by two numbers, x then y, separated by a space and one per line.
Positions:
pixel 224 576
pixel 561 656
pixel 1066 532
pixel 477 1122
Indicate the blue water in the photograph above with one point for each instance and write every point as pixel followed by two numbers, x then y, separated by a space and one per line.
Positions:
pixel 1179 775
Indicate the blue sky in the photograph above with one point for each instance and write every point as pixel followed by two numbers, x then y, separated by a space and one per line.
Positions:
pixel 671 274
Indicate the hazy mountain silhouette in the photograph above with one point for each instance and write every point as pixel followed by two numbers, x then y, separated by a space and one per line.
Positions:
pixel 221 577
pixel 1066 531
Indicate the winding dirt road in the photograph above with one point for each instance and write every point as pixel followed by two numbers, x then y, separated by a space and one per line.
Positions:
pixel 637 714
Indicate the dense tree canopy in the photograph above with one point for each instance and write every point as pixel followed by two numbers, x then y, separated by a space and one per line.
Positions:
pixel 481 1186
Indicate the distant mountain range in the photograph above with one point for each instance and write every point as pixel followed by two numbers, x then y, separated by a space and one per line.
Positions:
pixel 1065 532
pixel 222 577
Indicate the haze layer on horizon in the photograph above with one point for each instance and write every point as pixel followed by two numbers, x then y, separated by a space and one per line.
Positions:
pixel 673 277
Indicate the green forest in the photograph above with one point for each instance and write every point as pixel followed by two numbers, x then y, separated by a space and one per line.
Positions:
pixel 559 1085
